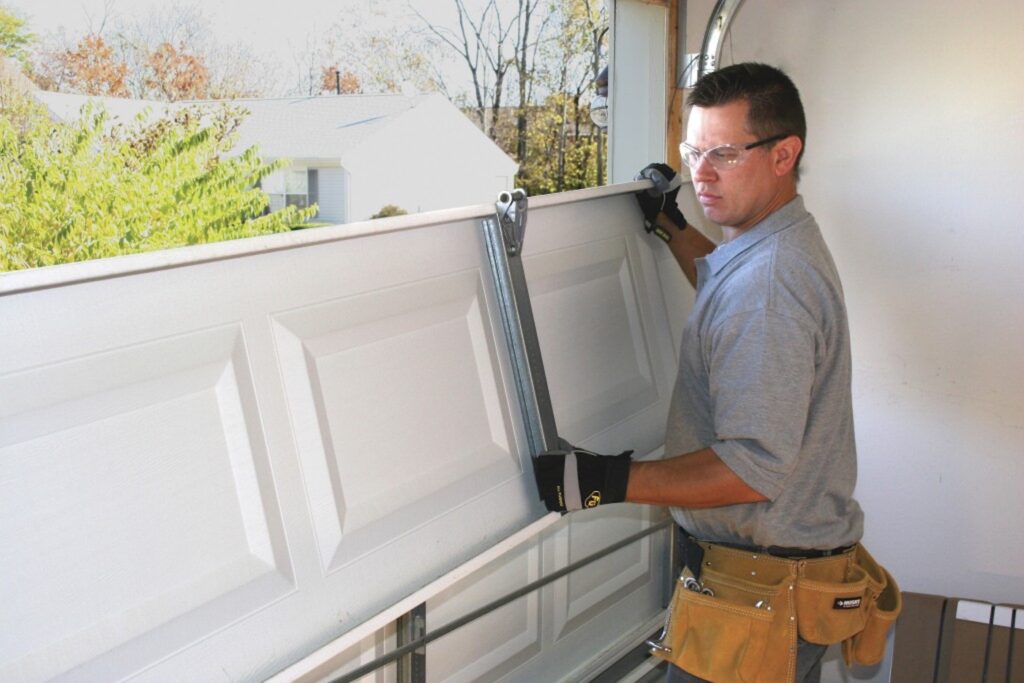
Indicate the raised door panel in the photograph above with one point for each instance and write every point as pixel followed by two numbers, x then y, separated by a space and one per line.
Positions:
pixel 136 499
pixel 397 401
pixel 500 641
pixel 601 322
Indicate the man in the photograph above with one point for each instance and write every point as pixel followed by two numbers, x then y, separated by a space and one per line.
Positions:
pixel 759 445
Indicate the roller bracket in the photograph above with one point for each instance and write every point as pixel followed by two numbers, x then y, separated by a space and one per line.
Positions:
pixel 510 210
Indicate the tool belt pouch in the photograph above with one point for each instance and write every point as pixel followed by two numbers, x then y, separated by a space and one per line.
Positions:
pixel 831 611
pixel 731 632
pixel 883 605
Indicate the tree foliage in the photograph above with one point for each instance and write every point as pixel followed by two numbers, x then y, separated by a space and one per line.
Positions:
pixel 91 68
pixel 15 39
pixel 174 74
pixel 333 79
pixel 91 188
pixel 169 55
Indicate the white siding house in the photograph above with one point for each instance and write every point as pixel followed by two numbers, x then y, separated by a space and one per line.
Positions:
pixel 352 155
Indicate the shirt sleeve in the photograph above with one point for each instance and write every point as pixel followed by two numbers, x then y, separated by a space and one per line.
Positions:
pixel 761 367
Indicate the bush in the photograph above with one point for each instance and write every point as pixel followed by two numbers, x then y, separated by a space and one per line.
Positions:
pixel 390 210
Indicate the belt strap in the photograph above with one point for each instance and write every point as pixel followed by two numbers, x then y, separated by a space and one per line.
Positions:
pixel 775 551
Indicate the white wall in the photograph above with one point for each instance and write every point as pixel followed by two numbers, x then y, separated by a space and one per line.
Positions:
pixel 913 171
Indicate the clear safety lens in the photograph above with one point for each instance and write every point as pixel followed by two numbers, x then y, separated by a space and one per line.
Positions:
pixel 722 157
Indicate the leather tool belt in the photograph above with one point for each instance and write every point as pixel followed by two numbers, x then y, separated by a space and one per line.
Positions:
pixel 736 616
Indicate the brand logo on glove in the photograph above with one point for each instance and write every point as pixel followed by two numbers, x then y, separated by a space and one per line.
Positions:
pixel 846 603
pixel 593 500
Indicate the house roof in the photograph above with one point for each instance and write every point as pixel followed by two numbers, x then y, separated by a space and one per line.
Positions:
pixel 65 107
pixel 325 127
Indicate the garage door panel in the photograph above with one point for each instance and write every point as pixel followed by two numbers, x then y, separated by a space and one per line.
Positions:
pixel 134 487
pixel 357 384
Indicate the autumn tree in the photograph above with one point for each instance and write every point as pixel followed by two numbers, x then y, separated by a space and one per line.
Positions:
pixel 571 64
pixel 333 79
pixel 89 68
pixel 173 74
pixel 90 188
pixel 169 54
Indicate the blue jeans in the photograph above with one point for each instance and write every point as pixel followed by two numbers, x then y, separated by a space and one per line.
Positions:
pixel 808 666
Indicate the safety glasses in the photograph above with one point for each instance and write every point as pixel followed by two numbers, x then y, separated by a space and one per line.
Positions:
pixel 723 157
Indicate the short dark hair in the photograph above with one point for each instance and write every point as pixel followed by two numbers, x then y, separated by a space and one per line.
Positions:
pixel 774 101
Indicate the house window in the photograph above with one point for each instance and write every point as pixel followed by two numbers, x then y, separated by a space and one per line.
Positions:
pixel 291 187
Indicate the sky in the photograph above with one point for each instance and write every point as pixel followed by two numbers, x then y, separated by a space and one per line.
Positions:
pixel 279 28
pixel 256 21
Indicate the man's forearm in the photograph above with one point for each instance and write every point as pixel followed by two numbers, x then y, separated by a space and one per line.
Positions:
pixel 694 480
pixel 686 246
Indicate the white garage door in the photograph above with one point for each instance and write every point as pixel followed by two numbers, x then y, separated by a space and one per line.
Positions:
pixel 216 460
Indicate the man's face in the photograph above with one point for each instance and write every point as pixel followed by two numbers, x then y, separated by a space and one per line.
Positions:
pixel 742 196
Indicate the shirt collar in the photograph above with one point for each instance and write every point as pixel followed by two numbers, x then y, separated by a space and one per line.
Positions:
pixel 784 217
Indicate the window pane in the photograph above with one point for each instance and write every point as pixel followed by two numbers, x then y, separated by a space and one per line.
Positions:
pixel 295 181
pixel 297 200
pixel 273 183
pixel 378 99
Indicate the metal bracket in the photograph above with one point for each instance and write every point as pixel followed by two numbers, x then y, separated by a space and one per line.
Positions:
pixel 510 210
pixel 504 235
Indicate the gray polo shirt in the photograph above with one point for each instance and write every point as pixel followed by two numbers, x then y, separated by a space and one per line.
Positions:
pixel 764 380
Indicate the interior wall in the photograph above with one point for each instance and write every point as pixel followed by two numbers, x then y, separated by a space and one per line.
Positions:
pixel 913 171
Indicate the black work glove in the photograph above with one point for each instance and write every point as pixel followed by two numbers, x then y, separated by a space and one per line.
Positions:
pixel 574 479
pixel 660 198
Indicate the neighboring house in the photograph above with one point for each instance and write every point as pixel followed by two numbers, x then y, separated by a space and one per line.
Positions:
pixel 354 154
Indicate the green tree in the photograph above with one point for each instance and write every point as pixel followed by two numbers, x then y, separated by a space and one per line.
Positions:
pixel 86 189
pixel 14 38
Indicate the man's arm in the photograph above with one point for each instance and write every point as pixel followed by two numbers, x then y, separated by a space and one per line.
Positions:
pixel 574 479
pixel 686 246
pixel 662 217
pixel 694 480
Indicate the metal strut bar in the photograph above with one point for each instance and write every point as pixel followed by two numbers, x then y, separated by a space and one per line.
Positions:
pixel 504 236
